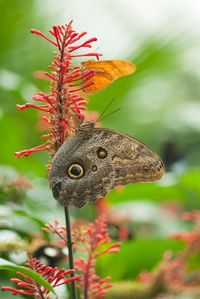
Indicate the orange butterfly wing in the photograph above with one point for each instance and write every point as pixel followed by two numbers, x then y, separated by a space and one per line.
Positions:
pixel 106 71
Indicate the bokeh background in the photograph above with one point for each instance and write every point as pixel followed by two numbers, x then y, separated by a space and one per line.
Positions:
pixel 159 105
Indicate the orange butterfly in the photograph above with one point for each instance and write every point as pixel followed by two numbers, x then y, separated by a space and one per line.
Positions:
pixel 106 71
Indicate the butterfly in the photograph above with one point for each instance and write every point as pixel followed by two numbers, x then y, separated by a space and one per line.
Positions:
pixel 106 71
pixel 94 160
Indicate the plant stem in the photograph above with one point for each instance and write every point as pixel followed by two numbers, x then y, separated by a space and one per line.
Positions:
pixel 40 291
pixel 70 251
pixel 86 277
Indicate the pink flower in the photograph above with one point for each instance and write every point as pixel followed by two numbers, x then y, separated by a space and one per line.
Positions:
pixel 64 101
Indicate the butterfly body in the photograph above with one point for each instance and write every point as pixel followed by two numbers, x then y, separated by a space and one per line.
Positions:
pixel 95 160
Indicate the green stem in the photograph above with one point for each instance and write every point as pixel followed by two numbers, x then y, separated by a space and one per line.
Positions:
pixel 86 278
pixel 70 251
pixel 40 291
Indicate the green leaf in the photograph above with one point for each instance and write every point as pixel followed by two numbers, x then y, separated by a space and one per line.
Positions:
pixel 134 257
pixel 147 191
pixel 191 181
pixel 6 265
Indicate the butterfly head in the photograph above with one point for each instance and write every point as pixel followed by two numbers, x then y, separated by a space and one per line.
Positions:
pixel 86 129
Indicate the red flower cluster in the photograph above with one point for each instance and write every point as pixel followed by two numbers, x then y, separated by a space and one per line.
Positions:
pixel 172 274
pixel 64 101
pixel 53 276
pixel 168 276
pixel 56 229
pixel 191 238
pixel 93 243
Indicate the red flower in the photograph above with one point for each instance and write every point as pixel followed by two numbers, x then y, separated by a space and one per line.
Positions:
pixel 53 276
pixel 94 243
pixel 191 238
pixel 173 272
pixel 64 101
pixel 193 216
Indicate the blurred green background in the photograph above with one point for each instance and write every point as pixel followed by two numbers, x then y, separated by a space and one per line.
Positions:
pixel 159 105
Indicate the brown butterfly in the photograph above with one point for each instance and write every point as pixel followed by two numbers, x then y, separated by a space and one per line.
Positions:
pixel 106 71
pixel 95 160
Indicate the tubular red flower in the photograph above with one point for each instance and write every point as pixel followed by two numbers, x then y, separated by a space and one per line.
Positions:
pixel 64 100
pixel 29 105
pixel 27 152
pixel 34 31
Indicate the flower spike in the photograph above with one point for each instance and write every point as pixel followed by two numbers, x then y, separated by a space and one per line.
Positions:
pixel 64 101
pixel 92 243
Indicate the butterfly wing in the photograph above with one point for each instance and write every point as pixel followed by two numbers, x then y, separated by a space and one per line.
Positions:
pixel 132 160
pixel 106 71
pixel 98 175
pixel 107 159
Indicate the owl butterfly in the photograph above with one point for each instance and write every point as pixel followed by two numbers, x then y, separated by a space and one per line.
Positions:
pixel 106 71
pixel 95 160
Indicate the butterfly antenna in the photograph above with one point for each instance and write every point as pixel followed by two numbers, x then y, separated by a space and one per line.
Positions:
pixel 100 117
pixel 110 113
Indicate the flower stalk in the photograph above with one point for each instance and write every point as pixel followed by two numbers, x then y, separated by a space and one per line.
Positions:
pixel 70 251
